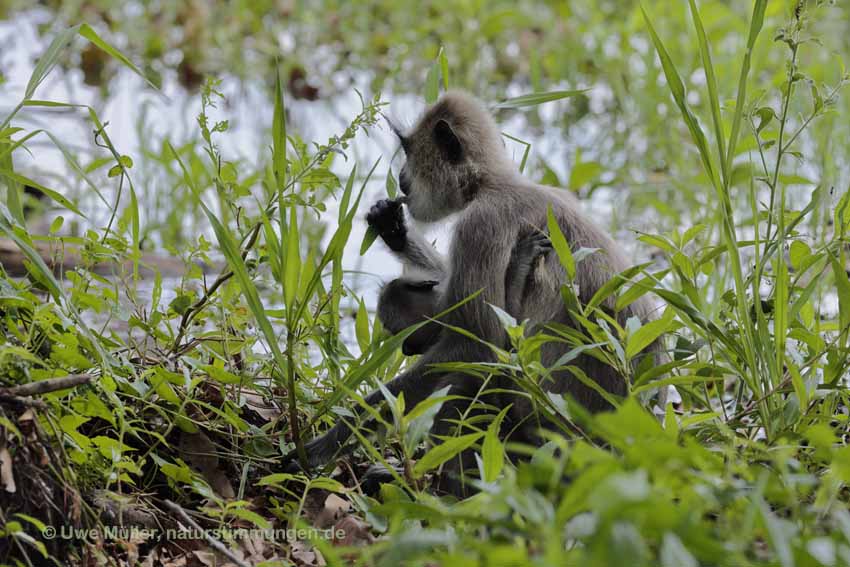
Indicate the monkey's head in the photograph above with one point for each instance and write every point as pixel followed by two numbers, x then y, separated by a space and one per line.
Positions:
pixel 453 146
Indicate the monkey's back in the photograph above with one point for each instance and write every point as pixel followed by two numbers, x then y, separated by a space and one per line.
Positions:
pixel 525 205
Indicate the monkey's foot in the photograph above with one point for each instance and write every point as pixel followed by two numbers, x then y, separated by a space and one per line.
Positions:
pixel 375 476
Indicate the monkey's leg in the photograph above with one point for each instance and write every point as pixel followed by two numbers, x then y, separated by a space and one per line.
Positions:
pixel 404 302
pixel 530 247
pixel 416 388
pixel 460 416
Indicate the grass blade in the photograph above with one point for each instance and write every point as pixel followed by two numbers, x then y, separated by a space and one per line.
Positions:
pixel 677 89
pixel 58 197
pixel 49 59
pixel 756 23
pixel 713 96
pixel 87 32
pixel 534 99
pixel 559 242
pixel 292 261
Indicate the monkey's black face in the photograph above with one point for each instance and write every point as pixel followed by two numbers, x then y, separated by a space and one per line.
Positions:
pixel 435 172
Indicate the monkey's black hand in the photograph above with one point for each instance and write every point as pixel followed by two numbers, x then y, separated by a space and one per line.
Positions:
pixel 534 245
pixel 387 218
pixel 320 450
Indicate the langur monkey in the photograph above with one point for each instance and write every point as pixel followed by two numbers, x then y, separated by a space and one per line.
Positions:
pixel 457 164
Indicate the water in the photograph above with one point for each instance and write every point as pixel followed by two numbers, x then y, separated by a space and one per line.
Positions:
pixel 171 115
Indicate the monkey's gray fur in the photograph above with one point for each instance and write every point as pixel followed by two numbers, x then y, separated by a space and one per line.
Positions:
pixel 457 164
pixel 407 301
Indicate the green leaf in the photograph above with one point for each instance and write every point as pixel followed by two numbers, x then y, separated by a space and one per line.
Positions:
pixel 58 197
pixel 443 452
pixel 583 173
pixel 49 59
pixel 420 420
pixel 233 255
pixel 361 327
pixel 799 252
pixel 392 185
pixel 56 225
pixel 671 426
pixel 279 135
pixel 292 265
pixel 677 89
pixel 250 516
pixel 432 83
pixel 559 242
pixel 765 114
pixel 220 374
pixel 534 99
pixel 615 283
pixel 369 238
pixel 492 449
pixel 756 22
pixel 842 288
pixel 647 333
pixel 87 32
pixel 444 68
pixel 14 190
pixel 713 96
pixel 135 228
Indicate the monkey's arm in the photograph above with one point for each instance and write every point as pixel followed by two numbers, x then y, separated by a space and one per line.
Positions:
pixel 387 218
pixel 480 256
pixel 531 246
pixel 421 256
pixel 413 382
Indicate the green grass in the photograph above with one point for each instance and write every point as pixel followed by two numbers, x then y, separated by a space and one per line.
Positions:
pixel 196 400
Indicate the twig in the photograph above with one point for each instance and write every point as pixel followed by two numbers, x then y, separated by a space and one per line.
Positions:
pixel 28 402
pixel 217 545
pixel 45 386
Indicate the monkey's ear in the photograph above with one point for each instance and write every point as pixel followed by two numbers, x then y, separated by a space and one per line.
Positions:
pixel 448 142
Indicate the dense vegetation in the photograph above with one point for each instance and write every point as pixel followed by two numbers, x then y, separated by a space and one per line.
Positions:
pixel 130 398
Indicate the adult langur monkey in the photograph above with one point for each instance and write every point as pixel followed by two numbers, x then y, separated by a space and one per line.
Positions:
pixel 457 163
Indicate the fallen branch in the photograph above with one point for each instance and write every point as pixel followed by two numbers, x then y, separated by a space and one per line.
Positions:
pixel 26 402
pixel 65 258
pixel 216 544
pixel 45 386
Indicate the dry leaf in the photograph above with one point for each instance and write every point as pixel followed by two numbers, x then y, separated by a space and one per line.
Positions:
pixel 201 454
pixel 7 476
pixel 255 402
pixel 354 531
pixel 334 508
pixel 306 556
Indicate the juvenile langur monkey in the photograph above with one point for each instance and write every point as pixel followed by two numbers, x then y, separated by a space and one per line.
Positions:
pixel 409 300
pixel 457 163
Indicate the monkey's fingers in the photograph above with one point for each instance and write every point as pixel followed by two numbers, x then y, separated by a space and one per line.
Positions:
pixel 385 208
pixel 293 466
pixel 541 242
